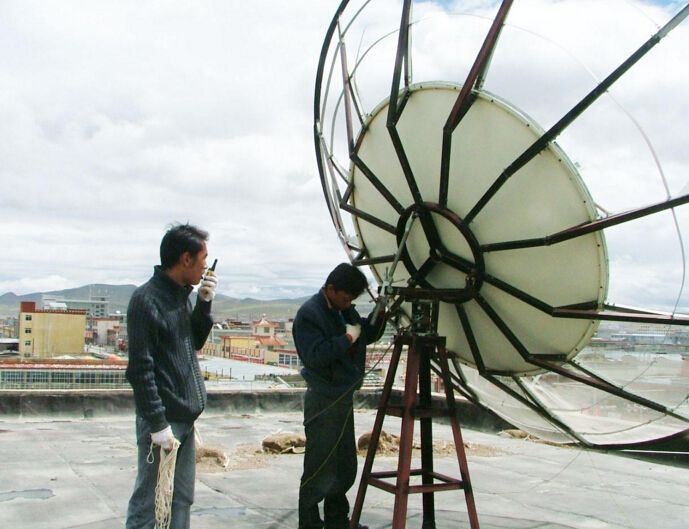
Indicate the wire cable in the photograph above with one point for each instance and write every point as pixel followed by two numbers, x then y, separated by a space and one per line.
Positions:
pixel 344 426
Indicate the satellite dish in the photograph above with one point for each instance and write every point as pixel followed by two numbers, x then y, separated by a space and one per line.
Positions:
pixel 490 215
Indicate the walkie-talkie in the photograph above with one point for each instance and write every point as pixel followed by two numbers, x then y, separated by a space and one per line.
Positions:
pixel 211 269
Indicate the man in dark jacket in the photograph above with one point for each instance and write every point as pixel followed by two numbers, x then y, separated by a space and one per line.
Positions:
pixel 331 340
pixel 169 392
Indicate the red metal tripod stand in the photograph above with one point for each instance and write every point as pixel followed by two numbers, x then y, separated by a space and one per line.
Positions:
pixel 419 353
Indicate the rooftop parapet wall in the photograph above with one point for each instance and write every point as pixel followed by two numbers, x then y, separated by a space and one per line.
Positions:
pixel 104 403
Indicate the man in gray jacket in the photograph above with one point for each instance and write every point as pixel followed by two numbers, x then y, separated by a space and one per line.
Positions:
pixel 169 392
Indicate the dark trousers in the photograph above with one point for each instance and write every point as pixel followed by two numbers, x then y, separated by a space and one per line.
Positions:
pixel 330 462
pixel 141 509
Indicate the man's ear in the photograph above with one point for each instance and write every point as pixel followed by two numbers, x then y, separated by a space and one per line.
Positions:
pixel 185 259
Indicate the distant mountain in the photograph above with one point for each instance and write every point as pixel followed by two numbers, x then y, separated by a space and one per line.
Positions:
pixel 9 298
pixel 253 309
pixel 118 295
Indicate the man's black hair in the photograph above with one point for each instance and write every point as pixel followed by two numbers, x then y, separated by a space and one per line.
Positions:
pixel 180 238
pixel 348 278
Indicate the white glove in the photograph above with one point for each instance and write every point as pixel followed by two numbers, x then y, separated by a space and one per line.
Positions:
pixel 164 438
pixel 354 331
pixel 208 285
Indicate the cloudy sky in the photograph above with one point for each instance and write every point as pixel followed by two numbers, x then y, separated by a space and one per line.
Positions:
pixel 120 117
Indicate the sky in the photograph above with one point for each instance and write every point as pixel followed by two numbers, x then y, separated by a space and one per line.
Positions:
pixel 118 118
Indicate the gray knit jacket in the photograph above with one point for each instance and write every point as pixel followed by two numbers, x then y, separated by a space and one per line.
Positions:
pixel 164 335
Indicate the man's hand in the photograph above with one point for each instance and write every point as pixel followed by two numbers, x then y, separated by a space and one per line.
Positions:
pixel 208 285
pixel 353 331
pixel 164 438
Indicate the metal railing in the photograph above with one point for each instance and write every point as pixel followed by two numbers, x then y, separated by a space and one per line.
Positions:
pixel 62 379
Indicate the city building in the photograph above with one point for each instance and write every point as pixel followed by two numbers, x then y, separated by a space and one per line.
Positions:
pixel 9 327
pixel 108 330
pixel 50 332
pixel 257 343
pixel 9 345
pixel 288 358
pixel 263 327
pixel 95 306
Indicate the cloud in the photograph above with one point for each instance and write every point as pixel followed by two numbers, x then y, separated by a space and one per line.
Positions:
pixel 117 118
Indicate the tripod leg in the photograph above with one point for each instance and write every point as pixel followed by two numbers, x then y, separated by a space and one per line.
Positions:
pixel 375 434
pixel 399 517
pixel 457 435
pixel 426 427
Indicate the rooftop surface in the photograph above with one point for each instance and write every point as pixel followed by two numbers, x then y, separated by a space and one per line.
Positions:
pixel 64 471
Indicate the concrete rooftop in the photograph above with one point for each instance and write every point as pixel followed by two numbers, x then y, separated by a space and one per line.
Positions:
pixel 64 469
